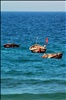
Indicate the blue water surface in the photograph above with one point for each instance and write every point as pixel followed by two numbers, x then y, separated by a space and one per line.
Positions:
pixel 25 75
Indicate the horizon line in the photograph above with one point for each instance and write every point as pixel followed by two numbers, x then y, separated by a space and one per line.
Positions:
pixel 32 11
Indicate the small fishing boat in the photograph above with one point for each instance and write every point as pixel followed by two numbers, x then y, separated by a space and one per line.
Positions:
pixel 36 48
pixel 10 45
pixel 55 55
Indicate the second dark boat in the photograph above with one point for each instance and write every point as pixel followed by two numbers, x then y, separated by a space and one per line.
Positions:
pixel 10 45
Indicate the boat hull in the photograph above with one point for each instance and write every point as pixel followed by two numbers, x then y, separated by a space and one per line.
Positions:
pixel 57 55
pixel 10 45
pixel 37 49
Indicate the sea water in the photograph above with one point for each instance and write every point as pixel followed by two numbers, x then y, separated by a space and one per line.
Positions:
pixel 25 75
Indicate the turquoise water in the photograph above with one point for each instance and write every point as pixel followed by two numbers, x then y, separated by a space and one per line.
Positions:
pixel 25 75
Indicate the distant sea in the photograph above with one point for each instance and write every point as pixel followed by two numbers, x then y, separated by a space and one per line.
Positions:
pixel 25 75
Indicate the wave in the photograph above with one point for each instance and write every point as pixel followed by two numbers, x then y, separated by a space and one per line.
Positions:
pixel 30 96
pixel 33 81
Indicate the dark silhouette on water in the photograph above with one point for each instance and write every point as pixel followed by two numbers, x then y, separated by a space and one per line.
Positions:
pixel 10 45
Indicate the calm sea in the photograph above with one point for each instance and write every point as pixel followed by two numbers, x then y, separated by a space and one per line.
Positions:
pixel 25 75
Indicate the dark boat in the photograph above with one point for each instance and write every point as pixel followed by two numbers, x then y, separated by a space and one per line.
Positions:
pixel 10 45
pixel 37 48
pixel 55 55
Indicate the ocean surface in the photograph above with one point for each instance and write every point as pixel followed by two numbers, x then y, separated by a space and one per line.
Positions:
pixel 25 75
